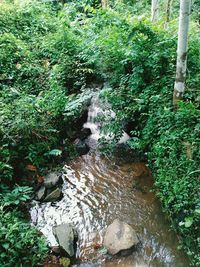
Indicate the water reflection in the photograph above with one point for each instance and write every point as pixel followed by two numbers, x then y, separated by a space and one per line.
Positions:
pixel 96 191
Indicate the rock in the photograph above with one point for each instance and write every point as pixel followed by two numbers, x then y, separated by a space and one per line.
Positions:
pixel 55 250
pixel 65 236
pixel 84 133
pixel 119 236
pixel 81 147
pixel 124 154
pixel 54 195
pixel 52 179
pixel 40 194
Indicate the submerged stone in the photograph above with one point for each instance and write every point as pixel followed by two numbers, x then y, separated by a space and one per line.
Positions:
pixel 119 236
pixel 64 234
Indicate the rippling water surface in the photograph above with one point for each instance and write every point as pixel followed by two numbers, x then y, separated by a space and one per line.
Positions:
pixel 97 191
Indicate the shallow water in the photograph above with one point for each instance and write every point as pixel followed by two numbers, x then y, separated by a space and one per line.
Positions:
pixel 96 191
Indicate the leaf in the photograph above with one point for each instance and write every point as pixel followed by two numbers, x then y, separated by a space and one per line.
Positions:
pixel 197 211
pixel 55 152
pixel 188 222
pixel 103 251
pixel 6 245
pixel 31 167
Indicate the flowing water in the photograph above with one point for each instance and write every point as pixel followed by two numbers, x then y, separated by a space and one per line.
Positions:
pixel 96 191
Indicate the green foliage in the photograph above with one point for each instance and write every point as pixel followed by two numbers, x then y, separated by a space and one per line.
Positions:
pixel 76 105
pixel 20 244
pixel 40 66
pixel 18 195
pixel 42 73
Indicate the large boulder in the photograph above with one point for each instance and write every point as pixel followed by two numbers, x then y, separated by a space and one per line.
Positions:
pixel 65 236
pixel 52 179
pixel 119 236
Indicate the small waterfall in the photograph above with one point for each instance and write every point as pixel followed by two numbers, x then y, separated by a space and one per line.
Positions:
pixel 96 111
pixel 93 112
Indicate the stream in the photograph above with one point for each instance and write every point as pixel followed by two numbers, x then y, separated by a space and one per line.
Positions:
pixel 97 190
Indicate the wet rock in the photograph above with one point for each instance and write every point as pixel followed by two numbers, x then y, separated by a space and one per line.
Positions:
pixel 65 236
pixel 81 147
pixel 119 236
pixel 54 195
pixel 85 132
pixel 124 154
pixel 40 194
pixel 55 250
pixel 52 179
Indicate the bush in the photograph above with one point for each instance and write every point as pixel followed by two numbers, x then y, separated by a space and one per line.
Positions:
pixel 42 74
pixel 20 244
pixel 40 66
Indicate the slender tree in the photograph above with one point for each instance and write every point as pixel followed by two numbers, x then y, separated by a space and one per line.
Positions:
pixel 181 64
pixel 154 9
pixel 168 10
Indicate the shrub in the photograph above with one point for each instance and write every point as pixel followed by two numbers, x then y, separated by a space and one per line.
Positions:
pixel 40 66
pixel 20 243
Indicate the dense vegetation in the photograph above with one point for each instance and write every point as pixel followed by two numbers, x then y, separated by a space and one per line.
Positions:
pixel 41 74
pixel 48 56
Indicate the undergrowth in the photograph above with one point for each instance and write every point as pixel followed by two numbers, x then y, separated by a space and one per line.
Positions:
pixel 42 76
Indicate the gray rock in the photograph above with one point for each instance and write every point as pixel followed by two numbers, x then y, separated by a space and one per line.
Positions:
pixel 65 236
pixel 54 195
pixel 119 236
pixel 56 250
pixel 52 179
pixel 81 147
pixel 84 133
pixel 40 194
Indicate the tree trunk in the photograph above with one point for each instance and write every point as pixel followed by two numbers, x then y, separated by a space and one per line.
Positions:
pixel 104 3
pixel 154 10
pixel 181 64
pixel 168 11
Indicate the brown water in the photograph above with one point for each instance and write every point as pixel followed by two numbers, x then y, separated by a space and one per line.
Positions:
pixel 96 191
